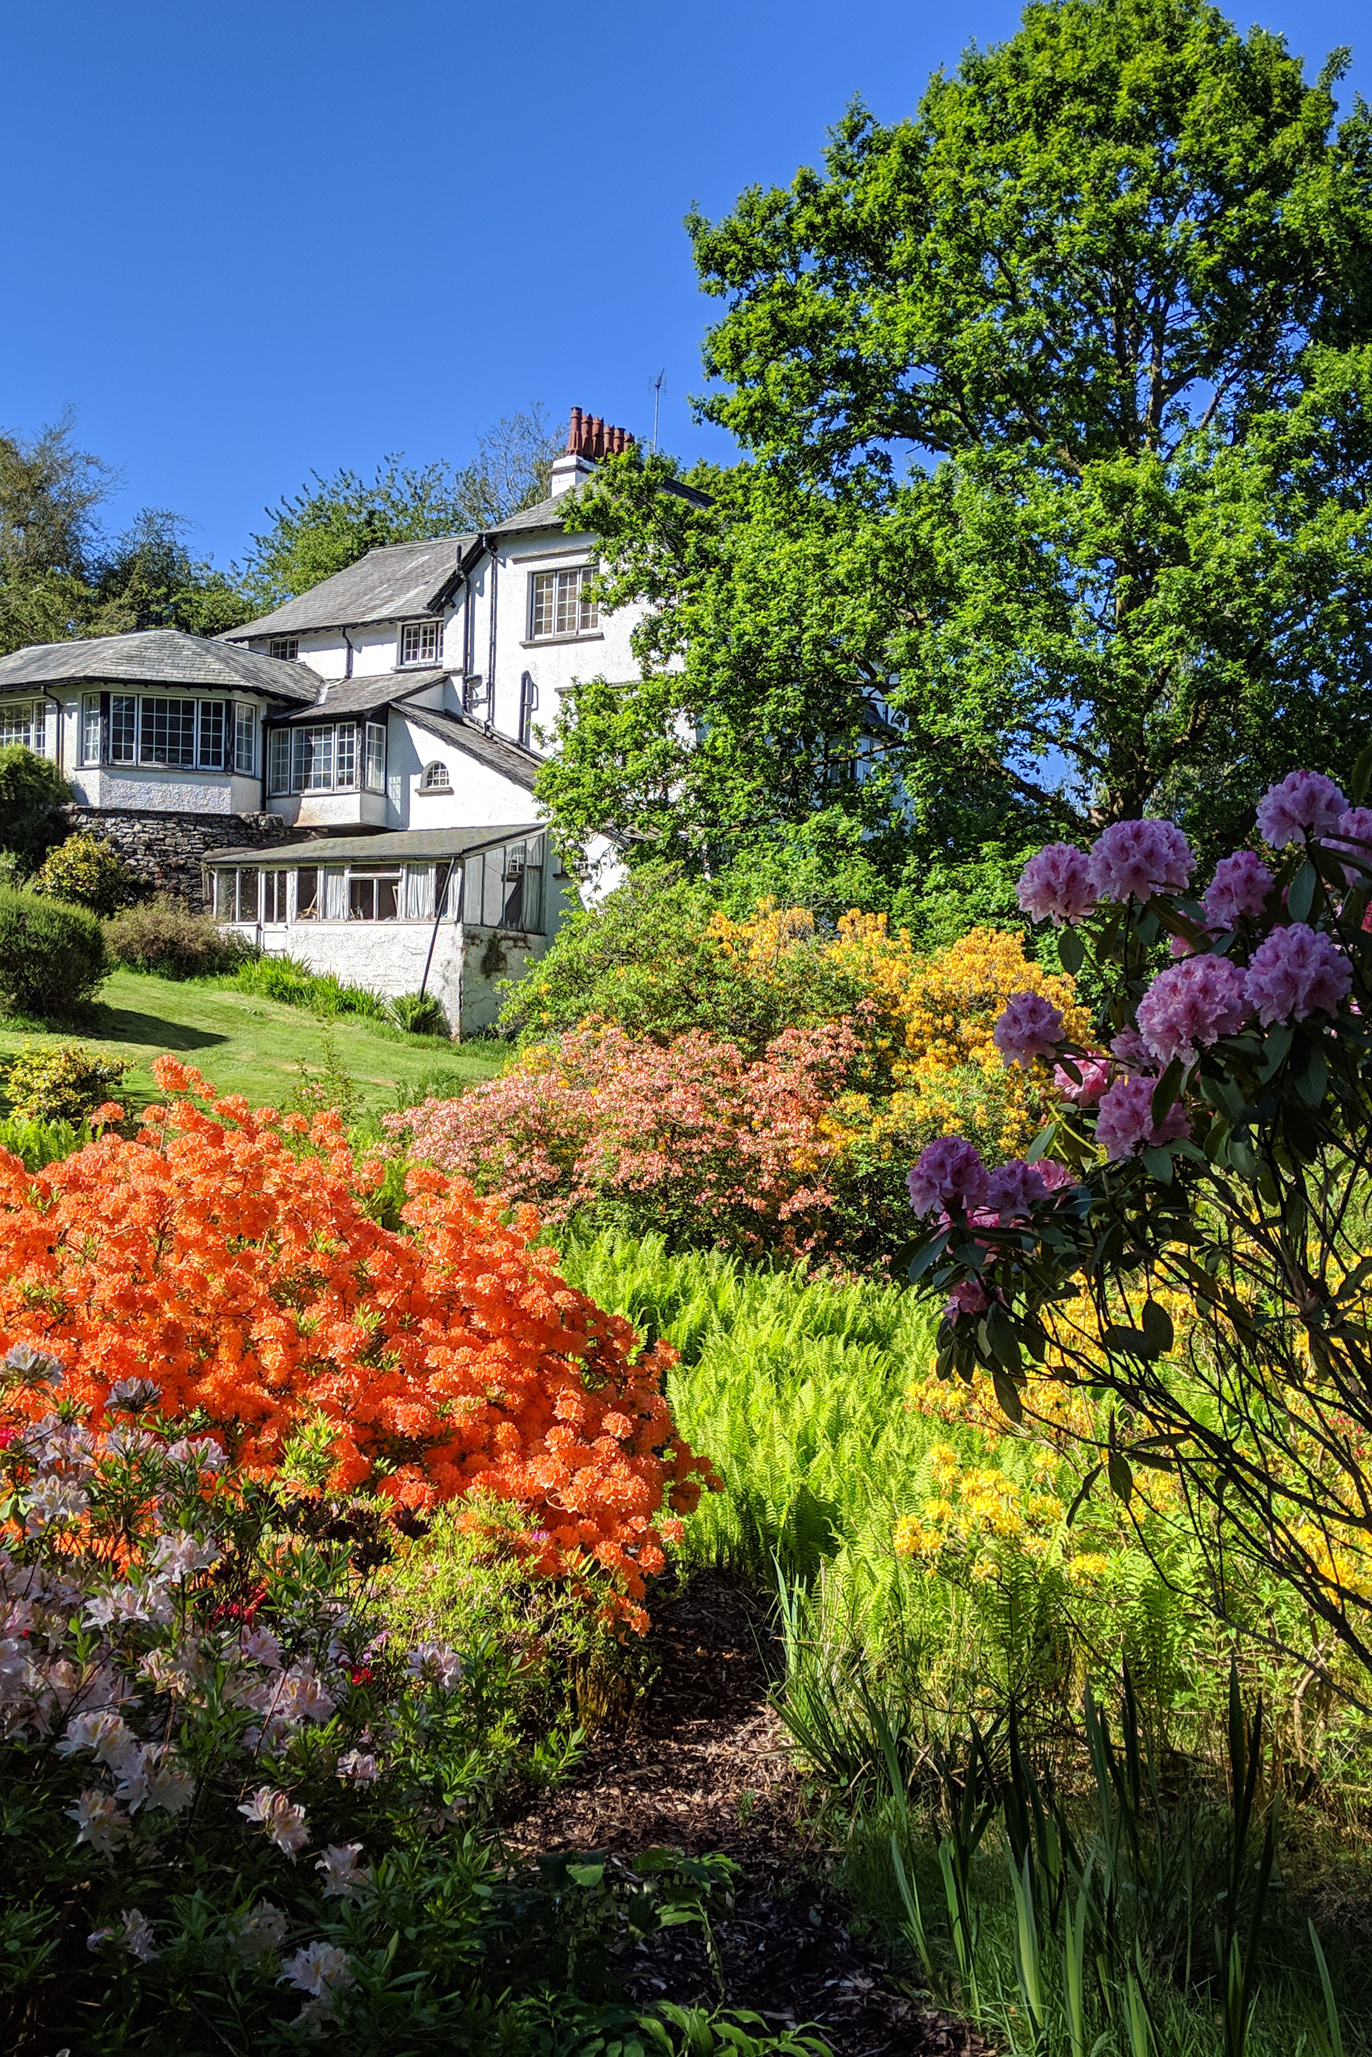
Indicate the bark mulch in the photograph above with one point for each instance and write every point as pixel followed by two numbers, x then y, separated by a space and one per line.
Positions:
pixel 702 1767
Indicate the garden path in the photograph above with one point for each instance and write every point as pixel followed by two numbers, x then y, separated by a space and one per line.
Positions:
pixel 702 1767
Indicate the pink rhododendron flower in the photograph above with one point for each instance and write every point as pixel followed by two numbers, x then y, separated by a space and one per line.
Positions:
pixel 1130 1050
pixel 1355 832
pixel 1029 1027
pixel 1014 1190
pixel 1195 1002
pixel 1055 1175
pixel 1296 971
pixel 1304 802
pixel 1085 1091
pixel 1055 884
pixel 969 1296
pixel 1138 859
pixel 1125 1123
pixel 949 1175
pixel 1240 886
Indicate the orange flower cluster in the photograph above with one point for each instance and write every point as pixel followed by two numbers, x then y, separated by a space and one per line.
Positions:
pixel 227 1254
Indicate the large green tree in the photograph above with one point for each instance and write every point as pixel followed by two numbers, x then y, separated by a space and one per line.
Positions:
pixel 1057 406
pixel 333 521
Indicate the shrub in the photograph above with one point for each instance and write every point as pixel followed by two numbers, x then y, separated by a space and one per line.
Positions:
pixel 85 872
pixel 691 1137
pixel 52 956
pixel 32 790
pixel 163 935
pixel 419 1014
pixel 287 980
pixel 65 1082
pixel 36 1143
pixel 230 1254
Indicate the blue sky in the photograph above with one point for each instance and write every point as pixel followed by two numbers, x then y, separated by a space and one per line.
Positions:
pixel 245 239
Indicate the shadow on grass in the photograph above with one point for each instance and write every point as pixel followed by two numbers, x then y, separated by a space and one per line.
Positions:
pixel 122 1025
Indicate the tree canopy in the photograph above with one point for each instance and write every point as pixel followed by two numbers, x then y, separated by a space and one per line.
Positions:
pixel 1056 400
pixel 333 521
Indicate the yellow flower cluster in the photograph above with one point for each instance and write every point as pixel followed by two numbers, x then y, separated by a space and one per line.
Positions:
pixel 934 1018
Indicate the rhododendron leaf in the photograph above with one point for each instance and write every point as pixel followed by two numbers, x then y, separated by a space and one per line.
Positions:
pixel 1276 1049
pixel 1329 863
pixel 1314 1080
pixel 1156 1324
pixel 925 1257
pixel 1007 1394
pixel 1362 774
pixel 1159 1165
pixel 1083 1489
pixel 1130 1342
pixel 1042 1144
pixel 1301 895
pixel 1120 1476
pixel 1302 1139
pixel 1148 927
pixel 1071 950
pixel 1165 1092
pixel 1360 1271
pixel 1001 1339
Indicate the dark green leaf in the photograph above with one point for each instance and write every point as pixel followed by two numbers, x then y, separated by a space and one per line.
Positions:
pixel 1007 1393
pixel 1362 772
pixel 1314 1080
pixel 1165 1092
pixel 1132 1342
pixel 1042 1143
pixel 1090 1479
pixel 1071 950
pixel 1159 1165
pixel 1301 896
pixel 1156 1324
pixel 1120 1476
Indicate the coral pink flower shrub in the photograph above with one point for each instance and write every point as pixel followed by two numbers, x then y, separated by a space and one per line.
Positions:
pixel 229 1257
pixel 690 1136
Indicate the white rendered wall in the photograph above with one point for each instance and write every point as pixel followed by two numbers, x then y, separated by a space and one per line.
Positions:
pixel 386 956
pixel 150 788
pixel 481 797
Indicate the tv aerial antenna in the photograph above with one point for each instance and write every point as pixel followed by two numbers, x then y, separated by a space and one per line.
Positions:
pixel 657 401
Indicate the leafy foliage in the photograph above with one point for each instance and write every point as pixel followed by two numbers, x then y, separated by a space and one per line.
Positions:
pixel 62 1084
pixel 1056 400
pixel 52 956
pixel 32 789
pixel 331 522
pixel 85 871
pixel 165 936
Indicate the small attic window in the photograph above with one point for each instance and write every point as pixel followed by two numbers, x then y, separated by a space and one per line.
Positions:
pixel 287 648
pixel 419 642
pixel 436 779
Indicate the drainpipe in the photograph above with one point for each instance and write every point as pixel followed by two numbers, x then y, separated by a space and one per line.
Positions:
pixel 349 672
pixel 439 898
pixel 490 673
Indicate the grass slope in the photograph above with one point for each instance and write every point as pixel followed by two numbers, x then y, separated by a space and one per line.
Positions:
pixel 245 1044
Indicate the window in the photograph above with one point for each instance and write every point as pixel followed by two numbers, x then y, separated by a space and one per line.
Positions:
pixel 92 726
pixel 528 700
pixel 503 889
pixel 245 739
pixel 376 757
pixel 320 757
pixel 213 730
pixel 26 722
pixel 166 732
pixel 419 642
pixel 287 648
pixel 307 893
pixel 236 894
pixel 557 606
pixel 436 779
pixel 373 897
pixel 123 728
pixel 274 895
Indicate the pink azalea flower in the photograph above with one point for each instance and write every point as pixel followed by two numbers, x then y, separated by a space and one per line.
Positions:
pixel 1240 886
pixel 1194 1002
pixel 283 1821
pixel 1125 1123
pixel 1055 885
pixel 950 1175
pixel 1304 802
pixel 1294 973
pixel 1138 859
pixel 1029 1026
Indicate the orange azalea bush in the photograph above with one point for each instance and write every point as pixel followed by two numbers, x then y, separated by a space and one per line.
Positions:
pixel 228 1255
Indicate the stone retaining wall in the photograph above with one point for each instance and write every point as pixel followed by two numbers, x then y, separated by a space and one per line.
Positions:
pixel 164 850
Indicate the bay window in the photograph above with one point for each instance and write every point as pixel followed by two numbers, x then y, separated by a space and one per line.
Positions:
pixel 26 722
pixel 327 757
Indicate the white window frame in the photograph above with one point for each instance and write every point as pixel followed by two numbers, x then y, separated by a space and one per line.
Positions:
pixel 32 716
pixel 374 774
pixel 300 761
pixel 119 720
pixel 436 778
pixel 92 728
pixel 563 587
pixel 383 875
pixel 285 649
pixel 429 631
pixel 244 739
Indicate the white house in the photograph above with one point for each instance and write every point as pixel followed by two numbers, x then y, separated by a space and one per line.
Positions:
pixel 394 709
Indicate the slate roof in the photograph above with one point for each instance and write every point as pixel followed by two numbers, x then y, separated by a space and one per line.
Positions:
pixel 415 846
pixel 392 583
pixel 370 690
pixel 548 514
pixel 498 753
pixel 157 657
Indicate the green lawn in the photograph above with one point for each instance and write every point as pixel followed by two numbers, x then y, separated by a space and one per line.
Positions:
pixel 245 1044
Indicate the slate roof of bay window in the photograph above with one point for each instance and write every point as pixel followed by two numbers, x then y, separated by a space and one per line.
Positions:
pixel 402 846
pixel 392 583
pixel 157 657
pixel 366 691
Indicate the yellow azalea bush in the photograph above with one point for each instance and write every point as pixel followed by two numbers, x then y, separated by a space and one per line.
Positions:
pixel 929 1025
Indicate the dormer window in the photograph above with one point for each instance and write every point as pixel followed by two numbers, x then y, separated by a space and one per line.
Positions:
pixel 287 648
pixel 419 642
pixel 436 779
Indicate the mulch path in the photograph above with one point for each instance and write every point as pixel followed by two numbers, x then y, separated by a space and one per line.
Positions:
pixel 702 1767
